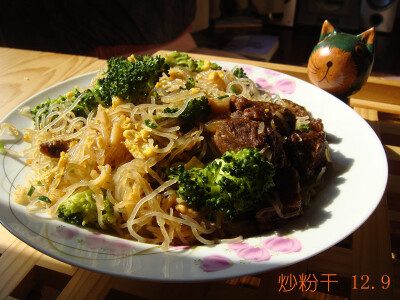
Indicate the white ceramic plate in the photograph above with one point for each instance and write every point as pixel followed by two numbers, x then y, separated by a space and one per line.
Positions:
pixel 355 183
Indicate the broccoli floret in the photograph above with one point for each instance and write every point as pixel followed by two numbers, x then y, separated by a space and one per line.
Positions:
pixel 80 209
pixel 177 58
pixel 46 104
pixel 132 81
pixel 88 102
pixel 228 186
pixel 170 110
pixel 239 72
pixel 190 83
pixel 197 109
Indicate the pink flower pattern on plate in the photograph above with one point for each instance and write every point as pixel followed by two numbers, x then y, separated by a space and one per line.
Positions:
pixel 248 70
pixel 285 86
pixel 246 251
pixel 271 73
pixel 264 84
pixel 250 252
pixel 95 241
pixel 283 245
pixel 65 233
pixel 179 248
pixel 213 263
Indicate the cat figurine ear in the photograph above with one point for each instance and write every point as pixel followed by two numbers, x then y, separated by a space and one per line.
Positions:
pixel 341 63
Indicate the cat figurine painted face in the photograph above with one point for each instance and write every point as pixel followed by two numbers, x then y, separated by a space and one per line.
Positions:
pixel 340 63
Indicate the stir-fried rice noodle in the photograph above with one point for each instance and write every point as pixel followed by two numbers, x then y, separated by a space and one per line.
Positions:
pixel 114 150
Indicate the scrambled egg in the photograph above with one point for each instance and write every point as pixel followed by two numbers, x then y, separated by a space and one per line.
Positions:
pixel 56 172
pixel 117 101
pixel 194 91
pixel 176 73
pixel 207 65
pixel 137 142
pixel 217 77
pixel 176 79
pixel 63 161
pixel 70 94
pixel 131 58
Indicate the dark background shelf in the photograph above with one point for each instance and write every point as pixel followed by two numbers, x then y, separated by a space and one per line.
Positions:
pixel 297 42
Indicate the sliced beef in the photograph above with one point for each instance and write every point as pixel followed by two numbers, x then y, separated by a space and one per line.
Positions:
pixel 298 110
pixel 315 124
pixel 306 151
pixel 272 114
pixel 240 103
pixel 298 154
pixel 238 132
pixel 276 147
pixel 258 124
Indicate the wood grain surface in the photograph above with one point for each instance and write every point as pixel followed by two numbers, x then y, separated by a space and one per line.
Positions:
pixel 373 250
pixel 24 73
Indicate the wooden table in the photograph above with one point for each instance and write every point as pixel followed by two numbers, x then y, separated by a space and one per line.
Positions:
pixel 373 250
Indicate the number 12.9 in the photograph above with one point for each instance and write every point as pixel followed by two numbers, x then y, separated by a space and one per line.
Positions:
pixel 362 282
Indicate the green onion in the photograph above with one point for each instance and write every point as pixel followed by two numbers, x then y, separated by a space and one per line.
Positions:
pixel 31 190
pixel 304 127
pixel 44 199
pixel 2 150
pixel 150 124
pixel 222 97
pixel 234 90
pixel 39 182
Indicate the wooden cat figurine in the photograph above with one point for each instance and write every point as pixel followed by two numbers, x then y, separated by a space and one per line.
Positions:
pixel 340 63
